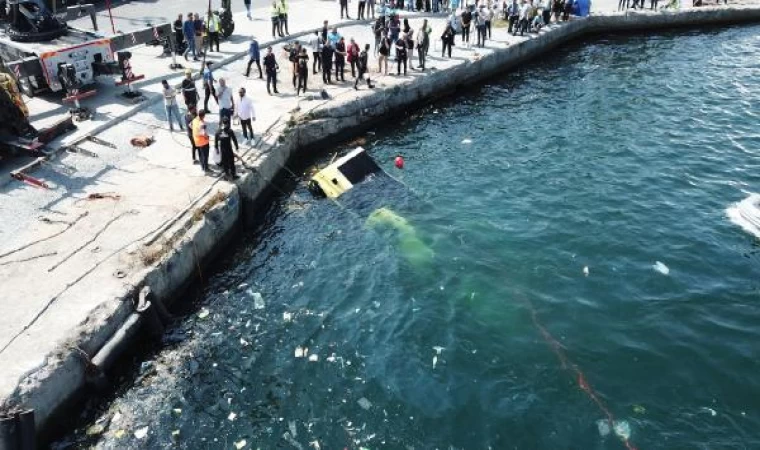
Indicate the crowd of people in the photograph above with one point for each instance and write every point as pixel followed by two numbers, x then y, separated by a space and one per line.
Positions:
pixel 331 55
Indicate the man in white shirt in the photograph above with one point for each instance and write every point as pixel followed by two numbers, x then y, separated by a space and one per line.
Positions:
pixel 246 114
pixel 226 106
pixel 170 104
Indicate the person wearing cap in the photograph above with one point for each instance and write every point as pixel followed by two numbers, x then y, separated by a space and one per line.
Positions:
pixel 253 56
pixel 271 68
pixel 223 141
pixel 208 86
pixel 189 118
pixel 170 105
pixel 246 114
pixel 189 92
pixel 201 139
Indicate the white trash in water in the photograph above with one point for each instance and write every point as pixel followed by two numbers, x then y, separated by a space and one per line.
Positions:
pixel 435 361
pixel 258 300
pixel 314 358
pixel 364 403
pixel 622 429
pixel 141 433
pixel 301 352
pixel 466 141
pixel 661 267
pixel 240 444
pixel 287 317
pixel 585 270
pixel 232 417
pixel 603 425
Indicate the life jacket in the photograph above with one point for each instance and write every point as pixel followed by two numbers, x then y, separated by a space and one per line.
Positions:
pixel 199 139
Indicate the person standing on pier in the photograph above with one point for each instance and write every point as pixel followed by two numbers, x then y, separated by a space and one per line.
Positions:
pixel 360 12
pixel 340 60
pixel 489 20
pixel 303 71
pixel 214 27
pixel 466 21
pixel 189 92
pixel 254 56
pixel 188 29
pixel 316 51
pixel 274 13
pixel 282 10
pixel 293 53
pixel 353 56
pixel 448 40
pixel 384 53
pixel 247 4
pixel 246 114
pixel 226 102
pixel 371 8
pixel 401 55
pixel 344 7
pixel 189 118
pixel 170 105
pixel 208 86
pixel 177 27
pixel 271 68
pixel 199 29
pixel 379 30
pixel 223 141
pixel 423 43
pixel 327 58
pixel 362 65
pixel 201 139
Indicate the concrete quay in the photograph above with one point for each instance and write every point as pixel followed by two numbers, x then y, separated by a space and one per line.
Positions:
pixel 71 279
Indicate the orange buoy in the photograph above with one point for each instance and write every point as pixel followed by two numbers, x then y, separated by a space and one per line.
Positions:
pixel 399 162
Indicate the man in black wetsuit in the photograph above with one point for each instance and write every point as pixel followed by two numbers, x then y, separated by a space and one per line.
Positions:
pixel 223 141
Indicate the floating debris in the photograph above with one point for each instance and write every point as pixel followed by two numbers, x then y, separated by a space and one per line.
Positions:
pixel 313 358
pixel 232 417
pixel 301 352
pixel 364 403
pixel 710 410
pixel 292 428
pixel 438 349
pixel 203 313
pixel 316 445
pixel 585 270
pixel 290 440
pixel 435 361
pixel 258 300
pixel 141 433
pixel 118 434
pixel 177 411
pixel 603 425
pixel 287 317
pixel 622 429
pixel 662 268
pixel 638 409
pixel 466 141
pixel 175 435
pixel 240 444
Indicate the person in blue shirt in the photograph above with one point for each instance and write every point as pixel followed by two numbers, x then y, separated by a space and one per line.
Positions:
pixel 188 29
pixel 208 86
pixel 253 56
pixel 333 37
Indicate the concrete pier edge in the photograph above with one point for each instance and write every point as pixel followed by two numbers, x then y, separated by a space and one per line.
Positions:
pixel 183 245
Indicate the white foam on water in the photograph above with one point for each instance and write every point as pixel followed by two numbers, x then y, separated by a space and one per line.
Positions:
pixel 661 267
pixel 603 426
pixel 622 429
pixel 746 214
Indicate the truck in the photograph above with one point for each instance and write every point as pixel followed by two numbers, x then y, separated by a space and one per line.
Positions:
pixel 44 54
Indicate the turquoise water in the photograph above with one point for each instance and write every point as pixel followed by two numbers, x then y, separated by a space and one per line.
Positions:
pixel 543 304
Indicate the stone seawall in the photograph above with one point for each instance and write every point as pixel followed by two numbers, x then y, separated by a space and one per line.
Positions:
pixel 182 245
